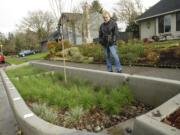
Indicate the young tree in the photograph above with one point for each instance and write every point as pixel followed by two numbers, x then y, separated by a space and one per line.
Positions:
pixel 58 7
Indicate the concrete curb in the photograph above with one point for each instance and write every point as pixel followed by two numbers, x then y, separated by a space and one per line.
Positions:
pixel 28 121
pixel 144 88
pixel 150 123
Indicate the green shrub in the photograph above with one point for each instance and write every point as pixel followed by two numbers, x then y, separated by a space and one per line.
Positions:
pixel 118 97
pixel 54 47
pixel 93 50
pixel 38 109
pixel 129 53
pixel 45 112
pixel 50 116
pixel 74 114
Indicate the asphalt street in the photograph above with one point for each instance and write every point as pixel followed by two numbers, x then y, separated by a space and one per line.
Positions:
pixel 8 125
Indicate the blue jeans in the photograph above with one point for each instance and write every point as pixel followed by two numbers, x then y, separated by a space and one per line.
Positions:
pixel 107 51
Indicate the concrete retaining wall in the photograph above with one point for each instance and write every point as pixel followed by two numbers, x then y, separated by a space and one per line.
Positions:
pixel 149 90
pixel 153 91
pixel 150 123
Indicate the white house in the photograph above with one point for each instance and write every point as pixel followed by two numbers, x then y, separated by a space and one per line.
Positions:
pixel 162 20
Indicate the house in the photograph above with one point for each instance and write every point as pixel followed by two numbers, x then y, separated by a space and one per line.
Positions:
pixel 72 27
pixel 162 20
pixel 76 29
pixel 53 36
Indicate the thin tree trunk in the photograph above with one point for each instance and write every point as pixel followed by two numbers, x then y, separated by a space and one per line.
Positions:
pixel 64 61
pixel 74 32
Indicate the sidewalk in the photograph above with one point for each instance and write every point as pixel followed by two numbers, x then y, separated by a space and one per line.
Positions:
pixel 8 125
pixel 166 73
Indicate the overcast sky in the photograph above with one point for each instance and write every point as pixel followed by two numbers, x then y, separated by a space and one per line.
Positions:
pixel 12 11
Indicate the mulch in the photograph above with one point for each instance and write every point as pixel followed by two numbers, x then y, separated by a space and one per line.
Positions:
pixel 98 120
pixel 173 119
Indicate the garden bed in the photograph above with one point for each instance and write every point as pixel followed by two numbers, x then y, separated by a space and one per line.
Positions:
pixel 76 104
pixel 133 52
pixel 173 119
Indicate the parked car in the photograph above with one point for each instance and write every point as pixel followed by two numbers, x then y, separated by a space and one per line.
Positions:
pixel 25 53
pixel 2 60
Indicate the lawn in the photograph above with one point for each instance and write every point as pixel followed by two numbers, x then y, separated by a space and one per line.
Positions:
pixel 38 56
pixel 14 61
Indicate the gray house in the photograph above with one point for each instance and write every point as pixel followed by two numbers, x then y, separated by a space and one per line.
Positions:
pixel 162 20
pixel 53 36
pixel 75 29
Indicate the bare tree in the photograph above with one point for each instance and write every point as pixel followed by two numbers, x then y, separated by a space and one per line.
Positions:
pixel 40 22
pixel 58 7
pixel 128 10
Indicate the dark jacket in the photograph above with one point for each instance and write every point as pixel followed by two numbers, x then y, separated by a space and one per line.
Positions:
pixel 108 33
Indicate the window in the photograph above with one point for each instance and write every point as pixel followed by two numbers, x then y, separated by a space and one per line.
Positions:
pixel 167 23
pixel 178 21
pixel 164 24
pixel 161 24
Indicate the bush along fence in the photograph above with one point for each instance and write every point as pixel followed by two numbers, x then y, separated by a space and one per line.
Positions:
pixel 133 52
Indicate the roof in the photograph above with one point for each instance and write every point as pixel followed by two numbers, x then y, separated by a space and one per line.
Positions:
pixel 67 17
pixel 161 8
pixel 54 35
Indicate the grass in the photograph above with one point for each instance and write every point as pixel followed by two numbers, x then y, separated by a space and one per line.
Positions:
pixel 24 71
pixel 14 61
pixel 165 44
pixel 52 90
pixel 38 56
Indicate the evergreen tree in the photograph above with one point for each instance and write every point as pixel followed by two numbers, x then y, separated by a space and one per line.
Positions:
pixel 17 45
pixel 95 6
pixel 133 27
pixel 114 16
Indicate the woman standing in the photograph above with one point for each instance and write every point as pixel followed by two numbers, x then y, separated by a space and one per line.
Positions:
pixel 107 38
